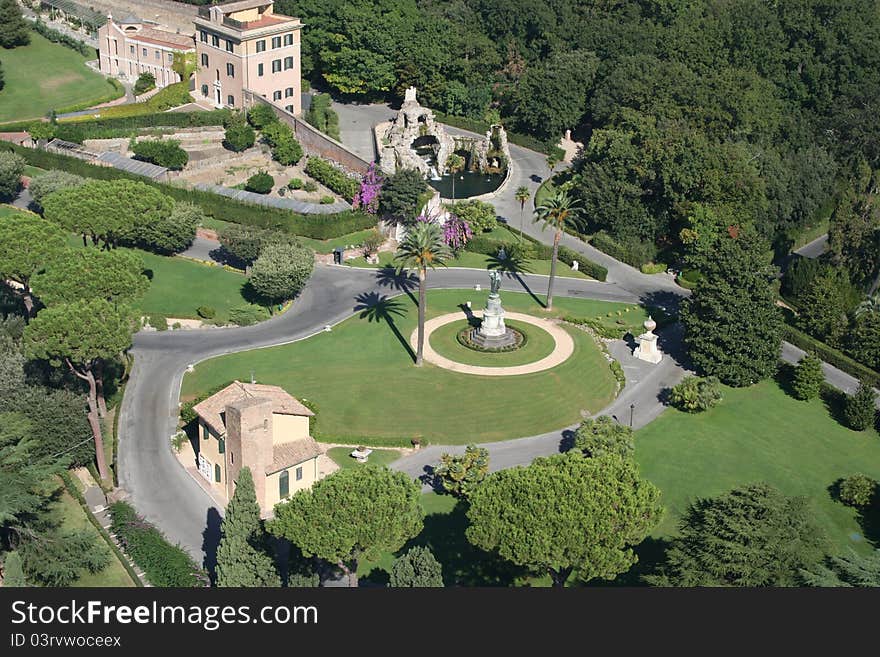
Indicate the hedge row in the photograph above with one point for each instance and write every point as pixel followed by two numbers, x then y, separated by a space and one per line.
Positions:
pixel 124 126
pixel 329 176
pixel 320 227
pixel 635 254
pixel 74 492
pixel 481 127
pixel 831 356
pixel 164 564
pixel 489 246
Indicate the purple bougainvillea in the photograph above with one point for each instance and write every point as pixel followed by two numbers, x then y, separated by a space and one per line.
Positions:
pixel 456 232
pixel 367 197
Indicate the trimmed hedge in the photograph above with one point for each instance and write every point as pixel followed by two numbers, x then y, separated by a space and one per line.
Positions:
pixel 162 152
pixel 831 356
pixel 319 227
pixel 634 254
pixel 329 176
pixel 164 564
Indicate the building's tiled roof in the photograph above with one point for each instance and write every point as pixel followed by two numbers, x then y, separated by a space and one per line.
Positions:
pixel 282 402
pixel 293 453
pixel 164 38
pixel 130 19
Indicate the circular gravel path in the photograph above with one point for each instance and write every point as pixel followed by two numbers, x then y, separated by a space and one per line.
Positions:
pixel 564 347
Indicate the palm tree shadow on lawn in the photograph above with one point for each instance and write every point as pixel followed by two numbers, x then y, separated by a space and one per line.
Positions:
pixel 513 265
pixel 375 307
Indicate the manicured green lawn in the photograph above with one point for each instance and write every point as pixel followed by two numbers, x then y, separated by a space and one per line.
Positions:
pixel 758 434
pixel 343 458
pixel 362 378
pixel 539 344
pixel 43 76
pixel 179 286
pixel 74 517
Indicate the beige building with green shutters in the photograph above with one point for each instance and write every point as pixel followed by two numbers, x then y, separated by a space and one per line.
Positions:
pixel 261 427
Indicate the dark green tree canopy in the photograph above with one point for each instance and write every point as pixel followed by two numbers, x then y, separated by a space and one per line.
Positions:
pixel 566 513
pixel 281 271
pixel 750 536
pixel 28 243
pixel 417 568
pixel 351 514
pixel 400 195
pixel 733 328
pixel 116 276
pixel 604 435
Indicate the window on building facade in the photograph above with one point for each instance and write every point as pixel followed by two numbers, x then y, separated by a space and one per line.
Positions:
pixel 259 69
pixel 204 59
pixel 289 108
pixel 171 58
pixel 284 485
pixel 229 46
pixel 215 40
pixel 230 100
pixel 288 39
pixel 230 70
pixel 232 458
pixel 205 433
pixel 276 65
pixel 276 42
pixel 261 45
pixel 204 90
pixel 288 63
pixel 276 95
pixel 131 49
pixel 158 55
pixel 217 472
pixel 288 92
pixel 203 36
pixel 299 473
pixel 221 446
pixel 144 54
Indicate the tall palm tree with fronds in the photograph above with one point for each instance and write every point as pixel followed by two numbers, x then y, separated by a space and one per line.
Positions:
pixel 421 249
pixel 557 212
pixel 522 195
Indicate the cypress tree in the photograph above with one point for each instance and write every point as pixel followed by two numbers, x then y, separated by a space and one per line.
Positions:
pixel 14 29
pixel 242 557
pixel 416 569
pixel 860 410
pixel 808 378
pixel 13 574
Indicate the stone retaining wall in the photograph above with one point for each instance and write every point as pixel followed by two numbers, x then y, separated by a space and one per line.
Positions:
pixel 313 141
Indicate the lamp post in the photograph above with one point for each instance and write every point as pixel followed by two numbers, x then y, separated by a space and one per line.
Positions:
pixel 632 409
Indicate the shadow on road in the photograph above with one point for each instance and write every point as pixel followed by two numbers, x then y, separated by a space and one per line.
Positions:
pixel 210 541
pixel 379 308
pixel 399 281
pixel 513 265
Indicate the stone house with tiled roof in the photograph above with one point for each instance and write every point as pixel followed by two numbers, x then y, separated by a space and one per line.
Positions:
pixel 261 427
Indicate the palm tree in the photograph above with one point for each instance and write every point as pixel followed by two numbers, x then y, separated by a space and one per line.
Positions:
pixel 556 212
pixel 454 164
pixel 552 161
pixel 522 195
pixel 423 247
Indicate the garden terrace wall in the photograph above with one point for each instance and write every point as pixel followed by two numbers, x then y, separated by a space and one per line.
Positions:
pixel 320 227
pixel 313 140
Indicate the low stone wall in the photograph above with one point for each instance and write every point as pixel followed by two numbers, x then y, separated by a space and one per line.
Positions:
pixel 314 141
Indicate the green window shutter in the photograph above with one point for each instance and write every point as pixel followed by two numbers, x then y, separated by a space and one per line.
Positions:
pixel 217 472
pixel 221 446
pixel 284 485
pixel 205 434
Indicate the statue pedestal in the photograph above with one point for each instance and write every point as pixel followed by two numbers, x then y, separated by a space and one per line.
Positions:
pixel 647 348
pixel 493 318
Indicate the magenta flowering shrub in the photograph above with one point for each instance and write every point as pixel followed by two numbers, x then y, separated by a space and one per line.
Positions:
pixel 456 233
pixel 367 197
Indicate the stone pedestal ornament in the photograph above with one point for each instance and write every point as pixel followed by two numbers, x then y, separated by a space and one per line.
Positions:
pixel 492 332
pixel 647 348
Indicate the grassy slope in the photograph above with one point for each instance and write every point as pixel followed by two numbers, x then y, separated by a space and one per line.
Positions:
pixel 73 517
pixel 758 434
pixel 362 379
pixel 42 76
